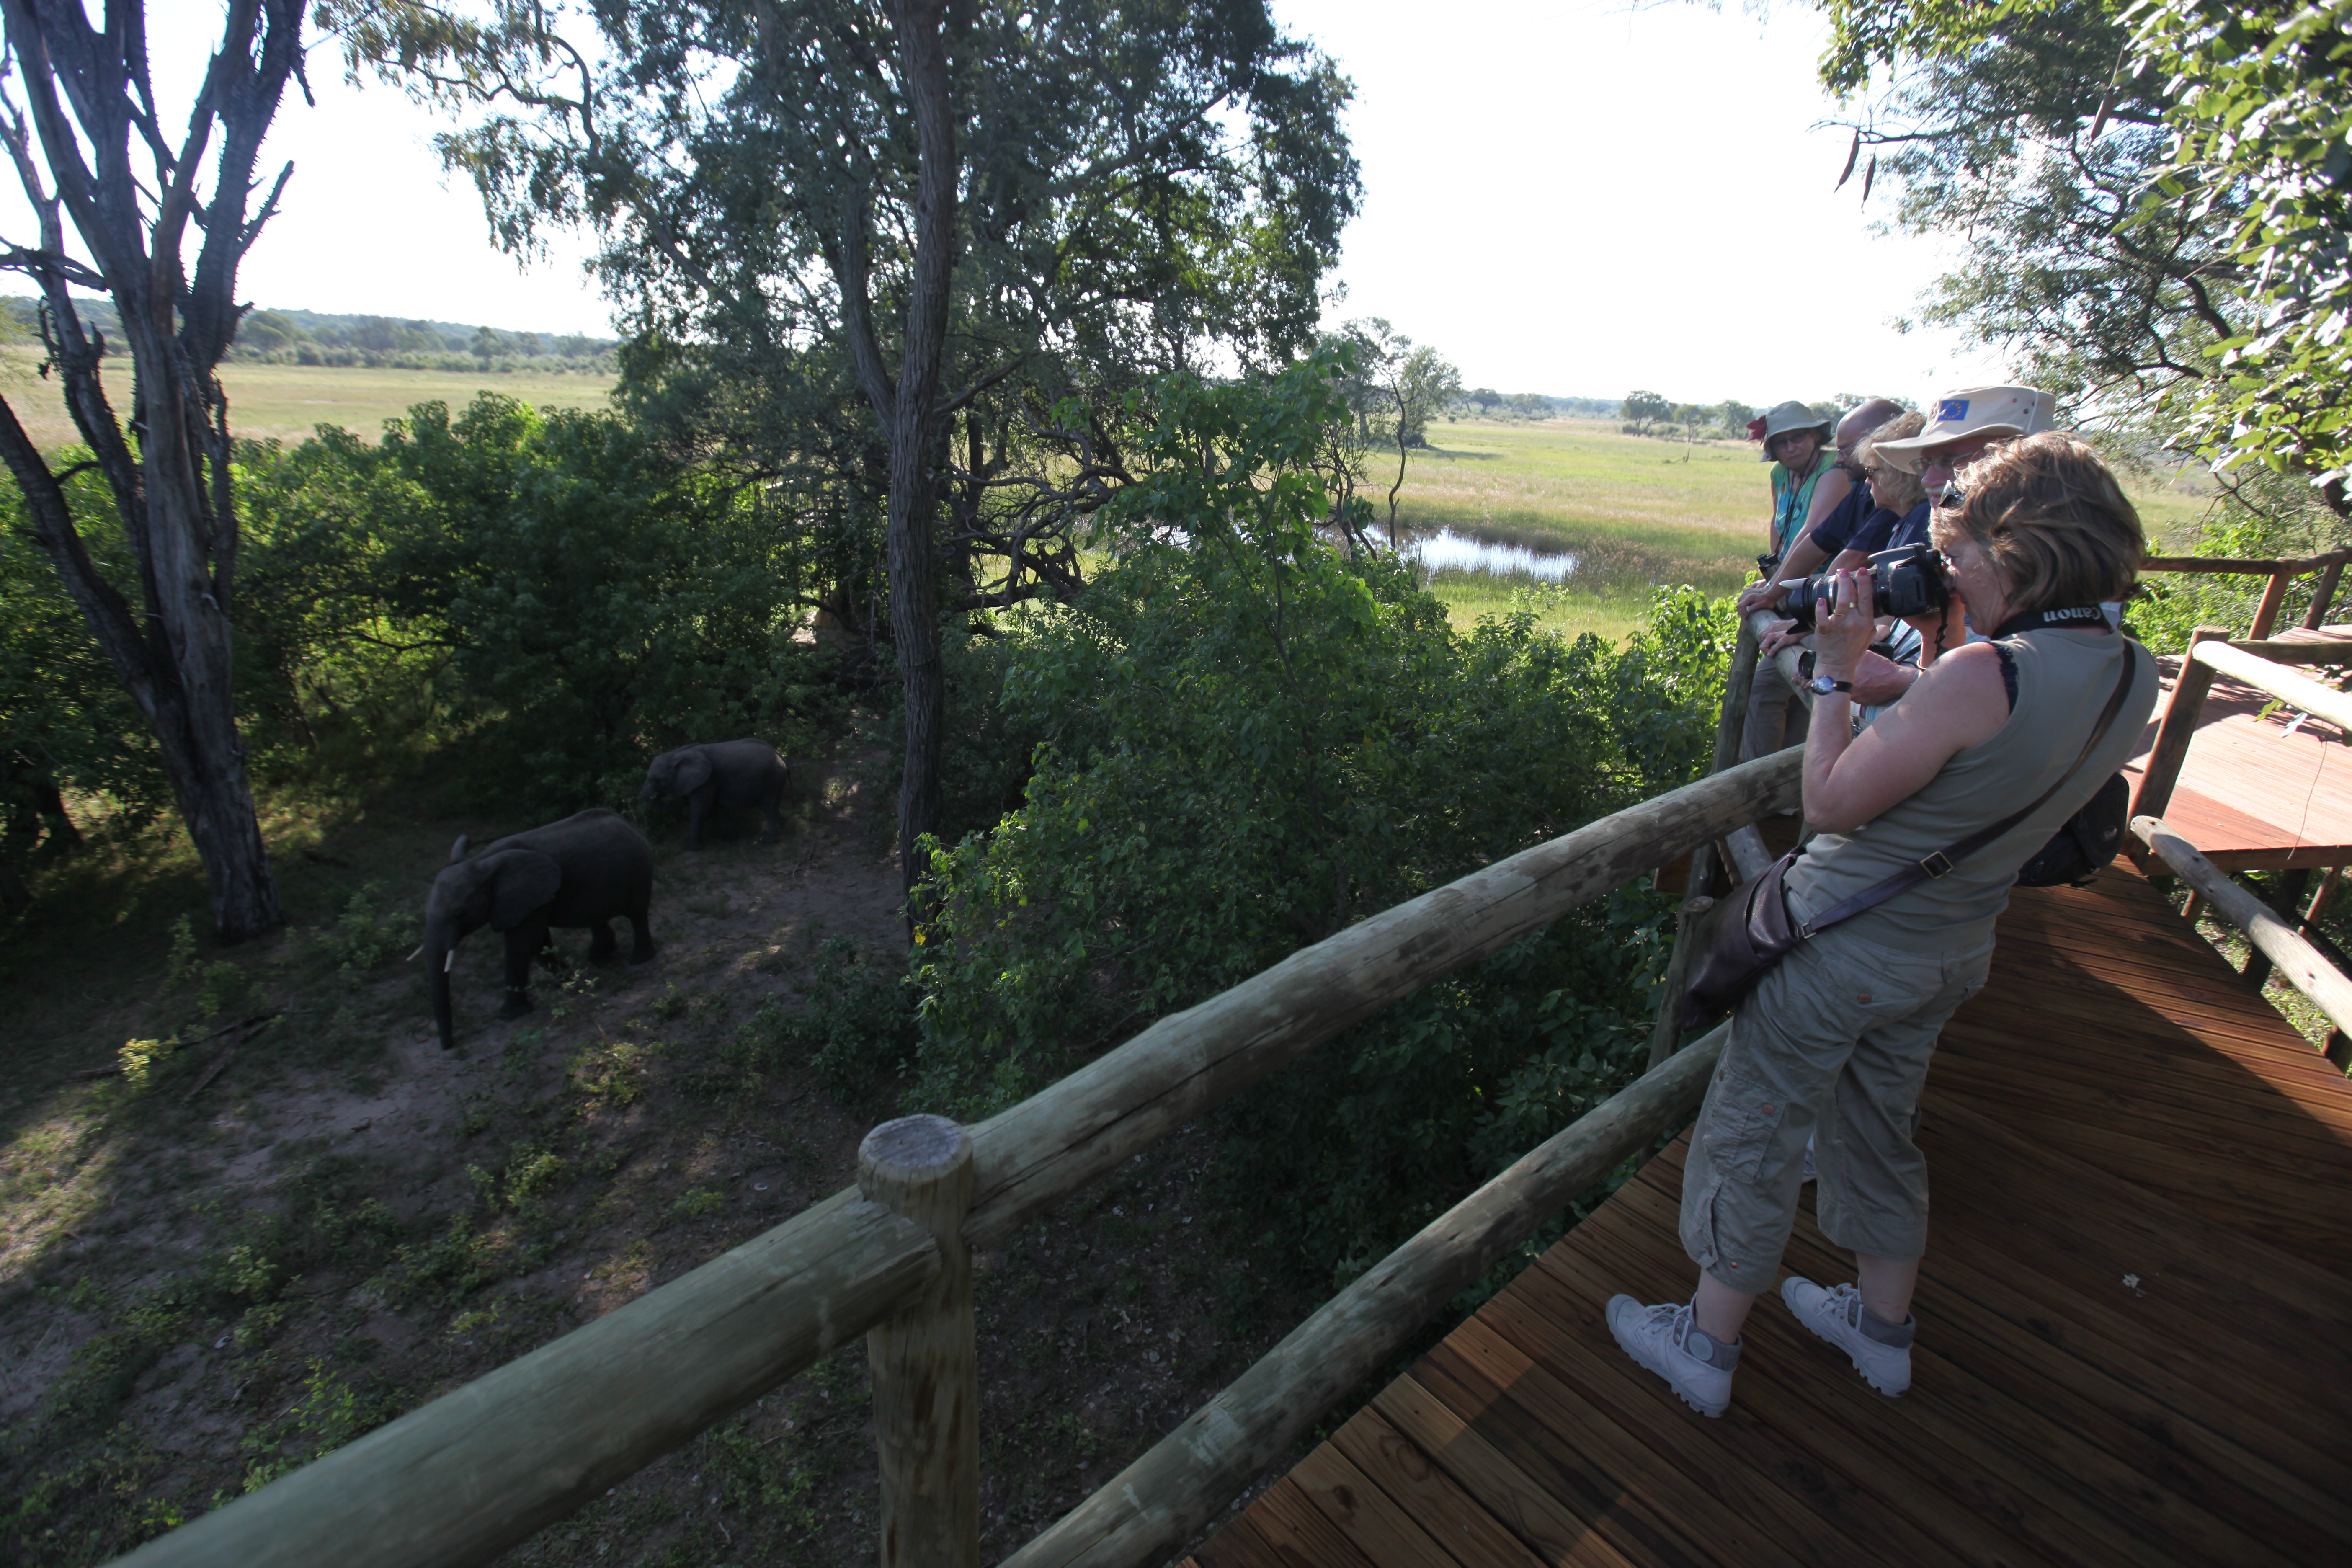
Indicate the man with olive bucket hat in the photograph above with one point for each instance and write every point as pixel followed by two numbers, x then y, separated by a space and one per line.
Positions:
pixel 1807 486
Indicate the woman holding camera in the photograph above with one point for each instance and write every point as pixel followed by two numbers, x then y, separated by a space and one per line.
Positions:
pixel 1834 1042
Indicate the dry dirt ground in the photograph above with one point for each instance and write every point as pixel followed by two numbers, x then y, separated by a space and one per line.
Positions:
pixel 274 1241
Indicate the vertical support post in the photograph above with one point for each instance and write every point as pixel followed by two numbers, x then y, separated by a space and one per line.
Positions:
pixel 1666 1033
pixel 925 1359
pixel 2266 615
pixel 2180 723
pixel 1730 723
pixel 2320 899
pixel 2322 595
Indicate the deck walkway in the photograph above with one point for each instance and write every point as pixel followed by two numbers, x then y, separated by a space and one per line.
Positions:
pixel 2259 792
pixel 2136 1317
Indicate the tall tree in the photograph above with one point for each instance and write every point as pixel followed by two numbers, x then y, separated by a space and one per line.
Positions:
pixel 91 146
pixel 2151 197
pixel 966 213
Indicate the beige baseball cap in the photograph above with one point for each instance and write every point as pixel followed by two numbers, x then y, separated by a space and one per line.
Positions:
pixel 1976 411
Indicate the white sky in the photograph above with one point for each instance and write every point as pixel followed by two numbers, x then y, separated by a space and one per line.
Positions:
pixel 1562 196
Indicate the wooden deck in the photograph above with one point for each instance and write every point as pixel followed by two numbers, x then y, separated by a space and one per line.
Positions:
pixel 2136 1324
pixel 2258 793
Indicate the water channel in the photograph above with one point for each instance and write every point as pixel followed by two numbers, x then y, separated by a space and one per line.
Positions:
pixel 1446 551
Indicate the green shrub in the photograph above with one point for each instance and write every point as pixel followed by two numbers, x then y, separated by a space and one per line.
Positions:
pixel 364 934
pixel 857 1033
pixel 221 985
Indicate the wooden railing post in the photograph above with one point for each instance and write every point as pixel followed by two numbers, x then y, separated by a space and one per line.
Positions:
pixel 2180 723
pixel 2322 595
pixel 925 1359
pixel 2266 615
pixel 1731 723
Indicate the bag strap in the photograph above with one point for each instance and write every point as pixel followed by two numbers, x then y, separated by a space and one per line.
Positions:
pixel 1943 860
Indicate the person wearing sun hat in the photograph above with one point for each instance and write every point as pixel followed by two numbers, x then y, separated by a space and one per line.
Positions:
pixel 1807 485
pixel 1962 427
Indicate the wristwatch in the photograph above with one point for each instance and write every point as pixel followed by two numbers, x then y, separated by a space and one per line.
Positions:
pixel 1822 686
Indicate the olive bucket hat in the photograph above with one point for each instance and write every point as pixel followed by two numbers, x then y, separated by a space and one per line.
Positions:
pixel 1783 418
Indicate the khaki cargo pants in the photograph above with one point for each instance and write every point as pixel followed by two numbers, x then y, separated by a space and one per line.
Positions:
pixel 1834 1042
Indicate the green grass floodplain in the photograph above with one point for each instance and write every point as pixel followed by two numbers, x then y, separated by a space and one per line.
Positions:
pixel 1635 512
pixel 287 402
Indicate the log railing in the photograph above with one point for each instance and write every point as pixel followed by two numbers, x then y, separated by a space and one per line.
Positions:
pixel 2275 942
pixel 474 1472
pixel 2278 941
pixel 2281 572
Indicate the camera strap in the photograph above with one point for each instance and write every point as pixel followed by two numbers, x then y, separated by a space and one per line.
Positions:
pixel 2077 618
pixel 1943 860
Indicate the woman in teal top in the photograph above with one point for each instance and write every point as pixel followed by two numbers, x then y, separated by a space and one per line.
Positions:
pixel 1807 483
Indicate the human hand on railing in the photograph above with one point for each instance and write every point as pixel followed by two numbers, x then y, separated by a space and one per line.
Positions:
pixel 1776 636
pixel 1761 596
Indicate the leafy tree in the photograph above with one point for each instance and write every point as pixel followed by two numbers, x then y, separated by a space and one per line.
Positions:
pixel 105 165
pixel 2262 151
pixel 2148 196
pixel 66 722
pixel 558 575
pixel 1248 740
pixel 1645 408
pixel 967 214
pixel 1733 415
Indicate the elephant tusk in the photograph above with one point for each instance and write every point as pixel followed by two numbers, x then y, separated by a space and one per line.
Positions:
pixel 412 957
pixel 447 958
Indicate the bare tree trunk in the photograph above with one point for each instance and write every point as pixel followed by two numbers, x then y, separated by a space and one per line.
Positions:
pixel 174 491
pixel 913 551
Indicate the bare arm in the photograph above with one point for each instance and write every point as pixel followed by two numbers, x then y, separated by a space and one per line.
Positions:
pixel 1957 703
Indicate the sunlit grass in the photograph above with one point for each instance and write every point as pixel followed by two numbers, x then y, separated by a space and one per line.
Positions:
pixel 288 400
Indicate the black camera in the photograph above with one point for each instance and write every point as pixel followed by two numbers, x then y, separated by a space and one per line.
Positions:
pixel 1912 581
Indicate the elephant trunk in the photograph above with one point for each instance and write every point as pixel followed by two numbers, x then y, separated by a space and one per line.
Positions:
pixel 440 950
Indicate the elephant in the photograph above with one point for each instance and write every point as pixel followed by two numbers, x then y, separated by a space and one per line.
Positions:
pixel 720 773
pixel 581 871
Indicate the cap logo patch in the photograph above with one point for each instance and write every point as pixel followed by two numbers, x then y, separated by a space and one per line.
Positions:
pixel 1953 408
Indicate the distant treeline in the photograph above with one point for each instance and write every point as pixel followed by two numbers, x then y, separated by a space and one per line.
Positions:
pixel 313 337
pixel 1485 403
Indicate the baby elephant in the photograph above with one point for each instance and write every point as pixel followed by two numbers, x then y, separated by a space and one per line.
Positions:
pixel 721 772
pixel 581 871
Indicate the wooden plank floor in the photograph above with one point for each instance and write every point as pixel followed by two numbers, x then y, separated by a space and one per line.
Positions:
pixel 2255 794
pixel 2136 1324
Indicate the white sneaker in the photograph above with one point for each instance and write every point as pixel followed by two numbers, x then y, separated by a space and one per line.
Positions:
pixel 1836 1316
pixel 1661 1338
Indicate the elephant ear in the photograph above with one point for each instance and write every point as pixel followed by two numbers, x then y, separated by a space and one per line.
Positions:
pixel 521 882
pixel 693 771
pixel 457 850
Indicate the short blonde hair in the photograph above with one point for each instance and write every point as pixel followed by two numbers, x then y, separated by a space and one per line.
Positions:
pixel 1905 488
pixel 2053 520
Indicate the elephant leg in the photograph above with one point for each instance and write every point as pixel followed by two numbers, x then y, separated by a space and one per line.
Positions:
pixel 697 806
pixel 523 945
pixel 642 947
pixel 602 947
